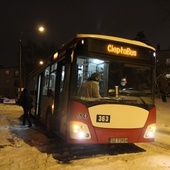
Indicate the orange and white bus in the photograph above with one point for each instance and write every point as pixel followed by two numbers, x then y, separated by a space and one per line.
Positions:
pixel 119 116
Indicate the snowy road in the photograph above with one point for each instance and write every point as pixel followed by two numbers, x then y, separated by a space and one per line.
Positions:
pixel 22 148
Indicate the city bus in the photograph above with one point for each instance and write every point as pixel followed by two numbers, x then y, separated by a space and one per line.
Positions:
pixel 119 115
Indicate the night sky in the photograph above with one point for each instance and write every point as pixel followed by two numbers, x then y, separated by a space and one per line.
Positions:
pixel 63 19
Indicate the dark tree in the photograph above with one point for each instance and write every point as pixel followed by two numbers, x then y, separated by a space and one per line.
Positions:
pixel 141 37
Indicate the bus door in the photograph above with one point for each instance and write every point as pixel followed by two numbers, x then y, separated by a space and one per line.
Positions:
pixel 37 110
pixel 61 100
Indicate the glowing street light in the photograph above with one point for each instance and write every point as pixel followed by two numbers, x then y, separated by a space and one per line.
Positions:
pixel 41 62
pixel 40 29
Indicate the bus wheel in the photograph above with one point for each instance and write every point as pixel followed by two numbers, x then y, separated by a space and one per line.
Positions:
pixel 49 120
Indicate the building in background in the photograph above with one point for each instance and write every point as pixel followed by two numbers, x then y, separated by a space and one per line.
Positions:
pixel 9 81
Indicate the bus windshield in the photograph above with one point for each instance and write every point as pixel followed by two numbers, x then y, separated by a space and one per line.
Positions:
pixel 118 81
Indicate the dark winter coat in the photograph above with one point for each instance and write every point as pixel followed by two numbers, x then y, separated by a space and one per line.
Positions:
pixel 25 100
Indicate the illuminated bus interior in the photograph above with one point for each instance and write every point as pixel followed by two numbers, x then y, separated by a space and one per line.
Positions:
pixel 139 85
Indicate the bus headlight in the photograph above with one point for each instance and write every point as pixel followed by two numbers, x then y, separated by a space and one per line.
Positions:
pixel 79 130
pixel 150 131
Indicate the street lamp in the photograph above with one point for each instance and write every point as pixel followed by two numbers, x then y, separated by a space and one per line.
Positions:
pixel 40 29
pixel 41 62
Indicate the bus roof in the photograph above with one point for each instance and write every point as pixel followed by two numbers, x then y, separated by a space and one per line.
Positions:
pixel 107 37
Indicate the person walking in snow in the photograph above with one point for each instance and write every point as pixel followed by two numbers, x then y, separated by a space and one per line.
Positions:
pixel 26 102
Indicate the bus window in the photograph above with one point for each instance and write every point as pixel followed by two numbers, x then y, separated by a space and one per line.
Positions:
pixel 52 80
pixel 51 88
pixel 60 99
pixel 88 66
pixel 110 74
pixel 62 78
pixel 138 78
pixel 54 67
pixel 45 81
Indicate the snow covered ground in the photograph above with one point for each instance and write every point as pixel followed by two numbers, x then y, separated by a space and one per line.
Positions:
pixel 23 148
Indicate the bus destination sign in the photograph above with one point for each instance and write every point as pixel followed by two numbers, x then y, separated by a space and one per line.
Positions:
pixel 120 50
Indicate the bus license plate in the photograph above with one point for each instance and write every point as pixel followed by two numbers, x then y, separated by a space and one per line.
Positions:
pixel 118 140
